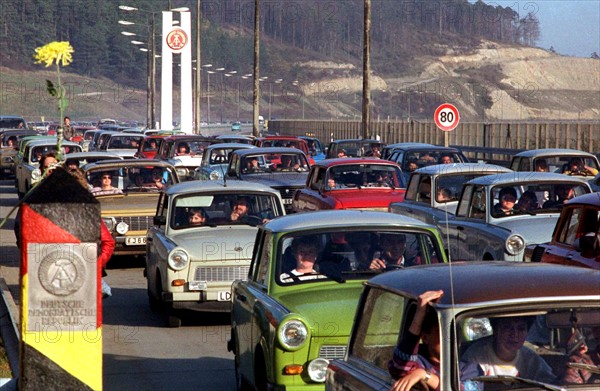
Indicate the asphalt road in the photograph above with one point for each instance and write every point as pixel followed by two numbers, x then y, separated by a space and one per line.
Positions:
pixel 139 352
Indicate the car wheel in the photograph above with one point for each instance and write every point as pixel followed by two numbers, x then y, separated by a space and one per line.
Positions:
pixel 260 371
pixel 154 301
pixel 173 318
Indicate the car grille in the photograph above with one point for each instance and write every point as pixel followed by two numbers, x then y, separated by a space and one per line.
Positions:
pixel 136 223
pixel 332 351
pixel 220 273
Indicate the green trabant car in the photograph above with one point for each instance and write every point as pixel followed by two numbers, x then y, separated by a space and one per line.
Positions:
pixel 294 312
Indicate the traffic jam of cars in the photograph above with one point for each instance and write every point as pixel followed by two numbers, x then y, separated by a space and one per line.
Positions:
pixel 361 265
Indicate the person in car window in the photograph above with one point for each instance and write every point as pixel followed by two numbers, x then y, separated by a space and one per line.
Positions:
pixel 412 362
pixel 563 194
pixel 578 167
pixel 106 186
pixel 392 252
pixel 305 252
pixel 446 159
pixel 197 217
pixel 504 353
pixel 527 201
pixel 508 198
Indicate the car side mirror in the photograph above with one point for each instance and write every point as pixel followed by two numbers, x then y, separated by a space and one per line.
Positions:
pixel 160 220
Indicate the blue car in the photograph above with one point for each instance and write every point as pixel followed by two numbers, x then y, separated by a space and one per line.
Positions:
pixel 236 127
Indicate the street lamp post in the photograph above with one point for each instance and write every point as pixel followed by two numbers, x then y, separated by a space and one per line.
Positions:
pixel 208 96
pixel 221 106
pixel 151 62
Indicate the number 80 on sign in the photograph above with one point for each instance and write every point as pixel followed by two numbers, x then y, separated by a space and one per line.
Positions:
pixel 446 117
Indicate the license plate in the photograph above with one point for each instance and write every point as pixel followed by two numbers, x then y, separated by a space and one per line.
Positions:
pixel 287 201
pixel 135 240
pixel 224 296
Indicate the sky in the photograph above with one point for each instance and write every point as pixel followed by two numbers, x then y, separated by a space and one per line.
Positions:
pixel 572 27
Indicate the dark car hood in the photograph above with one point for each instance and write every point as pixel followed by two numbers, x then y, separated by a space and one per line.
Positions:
pixel 283 179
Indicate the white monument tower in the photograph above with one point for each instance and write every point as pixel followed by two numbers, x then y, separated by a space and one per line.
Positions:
pixel 176 41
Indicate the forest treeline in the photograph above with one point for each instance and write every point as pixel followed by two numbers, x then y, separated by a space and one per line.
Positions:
pixel 320 29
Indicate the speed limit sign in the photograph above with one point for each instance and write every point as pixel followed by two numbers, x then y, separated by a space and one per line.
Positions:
pixel 446 117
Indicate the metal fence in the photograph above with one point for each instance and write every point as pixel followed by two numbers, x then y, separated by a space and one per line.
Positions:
pixel 514 136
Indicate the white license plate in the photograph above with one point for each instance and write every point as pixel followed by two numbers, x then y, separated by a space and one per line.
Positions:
pixel 287 201
pixel 224 296
pixel 135 240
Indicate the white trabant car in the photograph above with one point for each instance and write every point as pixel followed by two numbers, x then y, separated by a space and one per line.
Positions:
pixel 433 191
pixel 481 229
pixel 202 240
pixel 27 161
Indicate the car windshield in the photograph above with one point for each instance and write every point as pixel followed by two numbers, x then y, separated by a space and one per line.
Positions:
pixel 562 164
pixel 216 209
pixel 219 155
pixel 124 180
pixel 418 159
pixel 364 176
pixel 553 345
pixel 532 198
pixel 343 254
pixel 275 162
pixel 124 142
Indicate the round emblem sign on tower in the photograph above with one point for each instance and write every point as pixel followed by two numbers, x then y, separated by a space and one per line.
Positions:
pixel 177 39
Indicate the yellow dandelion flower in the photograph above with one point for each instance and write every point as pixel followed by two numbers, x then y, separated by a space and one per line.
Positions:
pixel 54 52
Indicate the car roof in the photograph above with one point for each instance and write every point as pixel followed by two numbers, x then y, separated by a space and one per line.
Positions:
pixel 103 154
pixel 592 199
pixel 266 150
pixel 408 145
pixel 488 281
pixel 456 168
pixel 218 185
pixel 343 218
pixel 50 141
pixel 524 176
pixel 230 145
pixel 553 152
pixel 354 160
pixel 358 140
pixel 191 137
pixel 127 163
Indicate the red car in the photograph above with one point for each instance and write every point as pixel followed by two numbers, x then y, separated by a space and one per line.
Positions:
pixel 576 237
pixel 351 183
pixel 149 147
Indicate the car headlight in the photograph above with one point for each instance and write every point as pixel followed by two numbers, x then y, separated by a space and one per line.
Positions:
pixel 178 259
pixel 215 175
pixel 122 228
pixel 514 244
pixel 475 328
pixel 36 175
pixel 292 334
pixel 110 223
pixel 317 369
pixel 181 171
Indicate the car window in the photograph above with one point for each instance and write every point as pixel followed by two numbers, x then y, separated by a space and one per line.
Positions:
pixel 378 328
pixel 216 209
pixel 262 274
pixel 473 202
pixel 342 254
pixel 365 175
pixel 546 340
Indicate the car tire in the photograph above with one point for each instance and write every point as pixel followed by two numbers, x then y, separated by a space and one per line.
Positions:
pixel 260 370
pixel 155 302
pixel 173 320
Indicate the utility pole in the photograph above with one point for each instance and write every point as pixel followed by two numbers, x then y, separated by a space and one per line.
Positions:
pixel 366 104
pixel 256 89
pixel 198 85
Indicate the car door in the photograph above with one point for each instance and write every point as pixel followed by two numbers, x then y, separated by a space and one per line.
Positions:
pixel 309 198
pixel 247 312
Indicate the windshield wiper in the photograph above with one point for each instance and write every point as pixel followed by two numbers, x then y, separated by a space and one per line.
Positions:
pixel 517 380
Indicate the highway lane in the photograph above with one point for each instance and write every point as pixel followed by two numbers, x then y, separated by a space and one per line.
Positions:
pixel 139 352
